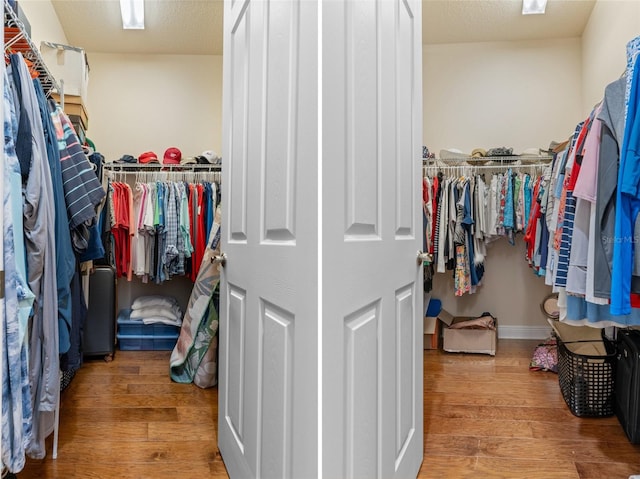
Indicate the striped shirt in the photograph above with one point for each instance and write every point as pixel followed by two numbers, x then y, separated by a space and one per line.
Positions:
pixel 82 190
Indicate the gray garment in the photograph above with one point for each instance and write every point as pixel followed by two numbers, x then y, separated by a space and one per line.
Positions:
pixel 578 258
pixel 39 221
pixel 612 114
pixel 612 117
pixel 605 212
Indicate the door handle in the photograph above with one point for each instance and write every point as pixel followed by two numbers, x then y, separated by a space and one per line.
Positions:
pixel 220 259
pixel 422 257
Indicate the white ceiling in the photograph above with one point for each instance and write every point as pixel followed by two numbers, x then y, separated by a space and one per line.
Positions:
pixel 195 26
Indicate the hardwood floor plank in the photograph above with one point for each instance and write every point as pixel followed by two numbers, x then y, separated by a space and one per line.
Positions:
pixel 48 469
pixel 198 414
pixel 487 468
pixel 124 379
pixel 161 431
pixel 504 413
pixel 118 431
pixel 158 367
pixel 609 470
pixel 117 414
pixel 580 429
pixel 438 400
pixel 167 388
pixel 448 445
pixel 102 367
pixel 105 451
pixel 558 450
pixel 478 427
pixel 133 357
pixel 162 470
pixel 90 389
pixel 141 400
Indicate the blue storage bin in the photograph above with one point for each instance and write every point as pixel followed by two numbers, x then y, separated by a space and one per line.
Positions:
pixel 434 307
pixel 141 342
pixel 136 327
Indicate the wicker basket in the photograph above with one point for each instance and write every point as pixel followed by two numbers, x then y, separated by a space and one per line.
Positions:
pixel 587 382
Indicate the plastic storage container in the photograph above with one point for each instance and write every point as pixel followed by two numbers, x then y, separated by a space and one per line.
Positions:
pixel 134 335
pixel 141 342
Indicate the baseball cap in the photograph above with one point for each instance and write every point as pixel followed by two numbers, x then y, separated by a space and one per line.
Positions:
pixel 148 157
pixel 126 159
pixel 211 156
pixel 188 160
pixel 172 156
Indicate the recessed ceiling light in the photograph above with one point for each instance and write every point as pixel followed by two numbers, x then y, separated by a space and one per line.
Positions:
pixel 532 7
pixel 132 14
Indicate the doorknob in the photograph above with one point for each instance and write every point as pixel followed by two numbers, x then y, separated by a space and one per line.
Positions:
pixel 220 259
pixel 422 257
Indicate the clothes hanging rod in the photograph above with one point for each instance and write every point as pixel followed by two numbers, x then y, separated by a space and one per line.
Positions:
pixel 133 167
pixel 499 160
pixel 31 52
pixel 483 167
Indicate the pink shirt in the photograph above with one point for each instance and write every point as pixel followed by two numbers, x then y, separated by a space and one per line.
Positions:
pixel 587 182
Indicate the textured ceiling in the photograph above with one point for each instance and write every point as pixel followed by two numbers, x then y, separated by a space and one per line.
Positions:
pixel 454 21
pixel 195 26
pixel 191 27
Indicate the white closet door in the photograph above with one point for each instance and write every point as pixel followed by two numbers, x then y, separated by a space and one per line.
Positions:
pixel 372 227
pixel 268 330
pixel 371 321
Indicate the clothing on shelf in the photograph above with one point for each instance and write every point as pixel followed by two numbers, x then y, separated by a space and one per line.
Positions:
pixel 157 229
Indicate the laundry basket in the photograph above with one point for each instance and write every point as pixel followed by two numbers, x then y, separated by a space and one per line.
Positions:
pixel 587 381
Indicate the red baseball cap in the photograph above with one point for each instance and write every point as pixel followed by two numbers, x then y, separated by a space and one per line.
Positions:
pixel 172 156
pixel 148 157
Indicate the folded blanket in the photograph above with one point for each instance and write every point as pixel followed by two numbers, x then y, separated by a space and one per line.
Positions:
pixel 154 300
pixel 174 313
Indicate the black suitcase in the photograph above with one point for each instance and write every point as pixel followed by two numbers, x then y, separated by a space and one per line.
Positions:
pixel 100 329
pixel 628 383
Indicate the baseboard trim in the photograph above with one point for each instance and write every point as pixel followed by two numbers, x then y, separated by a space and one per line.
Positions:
pixel 523 332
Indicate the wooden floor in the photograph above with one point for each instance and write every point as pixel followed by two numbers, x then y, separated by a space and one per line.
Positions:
pixel 484 417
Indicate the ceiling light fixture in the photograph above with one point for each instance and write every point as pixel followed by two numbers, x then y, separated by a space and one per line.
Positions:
pixel 132 14
pixel 532 7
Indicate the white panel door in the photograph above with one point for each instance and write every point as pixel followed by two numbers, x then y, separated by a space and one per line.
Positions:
pixel 268 331
pixel 371 226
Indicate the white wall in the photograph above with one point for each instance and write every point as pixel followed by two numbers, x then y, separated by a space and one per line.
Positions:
pixel 611 25
pixel 44 22
pixel 141 103
pixel 515 94
pixel 510 291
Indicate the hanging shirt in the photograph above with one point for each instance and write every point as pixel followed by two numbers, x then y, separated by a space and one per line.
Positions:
pixel 17 412
pixel 628 195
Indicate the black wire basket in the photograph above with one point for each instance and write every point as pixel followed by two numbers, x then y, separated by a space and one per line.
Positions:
pixel 587 382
